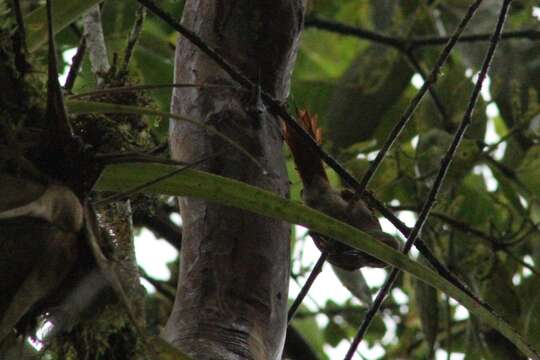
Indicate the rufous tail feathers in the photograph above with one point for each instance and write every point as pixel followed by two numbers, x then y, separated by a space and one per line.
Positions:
pixel 308 162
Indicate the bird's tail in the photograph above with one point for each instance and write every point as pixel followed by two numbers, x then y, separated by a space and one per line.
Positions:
pixel 308 162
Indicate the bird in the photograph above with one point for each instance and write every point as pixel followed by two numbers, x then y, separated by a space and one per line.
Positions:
pixel 341 204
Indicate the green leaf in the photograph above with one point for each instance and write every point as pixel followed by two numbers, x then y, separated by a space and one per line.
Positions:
pixel 472 203
pixel 310 330
pixel 237 194
pixel 427 303
pixel 532 324
pixel 475 348
pixel 64 13
pixel 153 61
pixel 453 90
pixel 508 188
pixel 334 333
pixel 371 86
pixel 433 145
pixel 117 20
pixel 529 170
pixel 499 291
pixel 498 348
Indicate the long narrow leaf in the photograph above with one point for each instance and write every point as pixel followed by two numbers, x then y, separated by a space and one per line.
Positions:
pixel 234 193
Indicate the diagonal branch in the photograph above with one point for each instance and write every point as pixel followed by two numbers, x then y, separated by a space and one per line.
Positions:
pixel 19 39
pixel 161 286
pixel 147 87
pixel 344 29
pixel 21 31
pixel 489 240
pixel 436 99
pixel 516 258
pixel 528 34
pixel 134 35
pixel 445 164
pixel 401 43
pixel 305 288
pixel 161 225
pixel 75 64
pixel 421 246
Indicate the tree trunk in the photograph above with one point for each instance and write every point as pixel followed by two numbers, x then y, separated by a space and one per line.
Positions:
pixel 234 270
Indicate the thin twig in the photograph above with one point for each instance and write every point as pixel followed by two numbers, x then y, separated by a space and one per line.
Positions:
pixel 457 224
pixel 305 288
pixel 445 164
pixel 319 308
pixel 120 158
pixel 422 247
pixel 134 35
pixel 436 100
pixel 149 87
pixel 16 7
pixel 76 63
pixel 490 147
pixel 19 39
pixel 528 34
pixel 344 29
pixel 506 171
pixel 495 243
pixel 534 228
pixel 161 226
pixel 161 148
pixel 429 81
pixel 90 107
pixel 124 156
pixel 139 188
pixel 409 44
pixel 161 286
pixel 523 263
pixel 332 311
pixel 75 30
pixel 276 108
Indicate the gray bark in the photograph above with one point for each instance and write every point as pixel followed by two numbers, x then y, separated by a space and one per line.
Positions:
pixel 232 294
pixel 97 50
